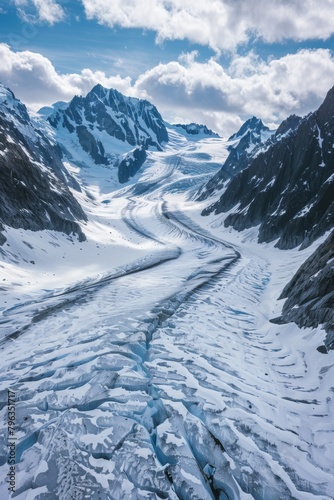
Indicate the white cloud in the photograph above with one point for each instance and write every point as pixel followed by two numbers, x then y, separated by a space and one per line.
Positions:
pixel 34 80
pixel 296 83
pixel 221 24
pixel 202 92
pixel 47 11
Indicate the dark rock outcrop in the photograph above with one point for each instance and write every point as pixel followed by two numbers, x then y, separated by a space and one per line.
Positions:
pixel 130 165
pixel 33 181
pixel 287 186
pixel 310 293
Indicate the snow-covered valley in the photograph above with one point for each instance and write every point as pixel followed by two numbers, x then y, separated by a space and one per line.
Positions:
pixel 144 361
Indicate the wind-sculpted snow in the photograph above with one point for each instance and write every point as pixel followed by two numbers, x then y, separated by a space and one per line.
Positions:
pixel 165 378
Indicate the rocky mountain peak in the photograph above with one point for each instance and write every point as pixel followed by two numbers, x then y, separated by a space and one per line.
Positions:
pixel 6 95
pixel 105 125
pixel 98 91
pixel 250 134
pixel 288 125
pixel 242 145
pixel 287 186
pixel 251 126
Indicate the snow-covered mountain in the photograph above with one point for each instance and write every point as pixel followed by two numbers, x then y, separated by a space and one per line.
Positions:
pixel 241 146
pixel 195 129
pixel 34 184
pixel 252 131
pixel 105 125
pixel 286 186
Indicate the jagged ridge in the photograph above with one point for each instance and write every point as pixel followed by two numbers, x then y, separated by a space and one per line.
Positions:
pixel 196 129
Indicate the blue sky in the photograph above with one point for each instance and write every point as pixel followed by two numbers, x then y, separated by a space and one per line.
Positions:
pixel 215 61
pixel 78 42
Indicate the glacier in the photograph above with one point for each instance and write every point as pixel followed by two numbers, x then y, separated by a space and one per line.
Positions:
pixel 143 360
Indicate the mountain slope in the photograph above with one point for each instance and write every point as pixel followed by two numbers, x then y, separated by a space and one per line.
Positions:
pixel 287 187
pixel 144 361
pixel 33 181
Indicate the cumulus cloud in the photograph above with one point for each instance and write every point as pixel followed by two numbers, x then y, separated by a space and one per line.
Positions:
pixel 295 83
pixel 202 92
pixel 34 80
pixel 46 10
pixel 221 24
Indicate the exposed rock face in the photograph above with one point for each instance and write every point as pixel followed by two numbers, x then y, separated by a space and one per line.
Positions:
pixel 310 293
pixel 106 124
pixel 196 129
pixel 33 181
pixel 252 133
pixel 130 165
pixel 251 129
pixel 287 186
pixel 288 125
